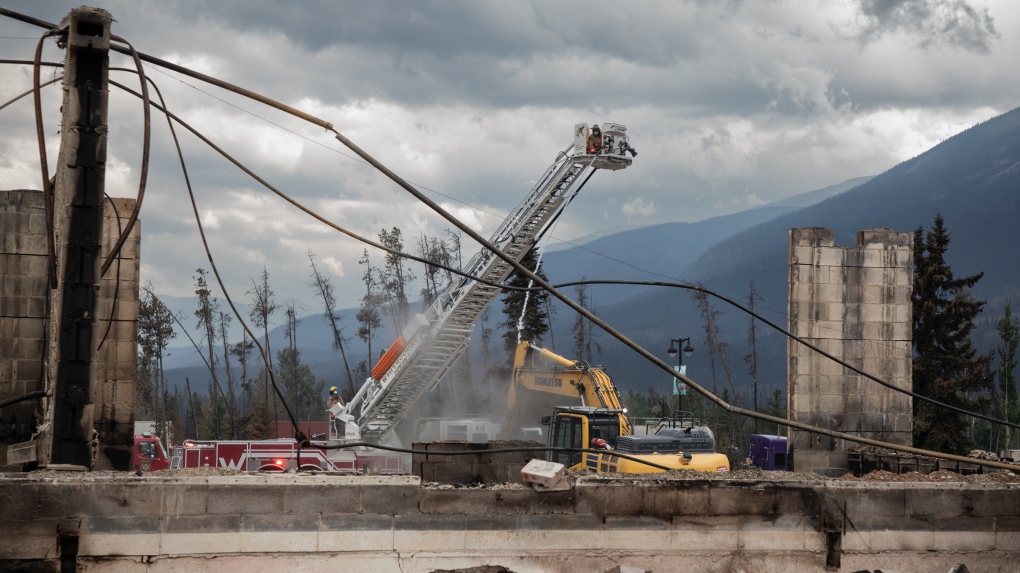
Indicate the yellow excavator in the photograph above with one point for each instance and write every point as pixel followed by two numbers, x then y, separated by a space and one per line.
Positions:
pixel 600 422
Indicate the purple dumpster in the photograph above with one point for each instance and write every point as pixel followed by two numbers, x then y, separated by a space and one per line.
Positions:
pixel 768 452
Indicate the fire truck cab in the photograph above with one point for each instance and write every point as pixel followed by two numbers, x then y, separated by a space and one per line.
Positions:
pixel 149 454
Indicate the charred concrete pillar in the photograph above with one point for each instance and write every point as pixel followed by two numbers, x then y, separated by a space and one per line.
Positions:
pixel 77 226
pixel 854 303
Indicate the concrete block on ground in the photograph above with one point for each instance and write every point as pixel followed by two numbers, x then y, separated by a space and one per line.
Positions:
pixel 543 473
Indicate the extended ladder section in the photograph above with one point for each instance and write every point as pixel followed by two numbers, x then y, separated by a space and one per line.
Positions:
pixel 433 341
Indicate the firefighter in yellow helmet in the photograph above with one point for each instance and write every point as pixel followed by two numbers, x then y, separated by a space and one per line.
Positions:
pixel 334 399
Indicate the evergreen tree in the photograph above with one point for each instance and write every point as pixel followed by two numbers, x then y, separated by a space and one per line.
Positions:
pixel 215 414
pixel 1007 405
pixel 774 406
pixel 535 322
pixel 261 426
pixel 155 331
pixel 395 278
pixel 304 393
pixel 946 366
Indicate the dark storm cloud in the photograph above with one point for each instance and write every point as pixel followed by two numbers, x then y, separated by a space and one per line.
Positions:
pixel 953 23
pixel 497 53
pixel 501 30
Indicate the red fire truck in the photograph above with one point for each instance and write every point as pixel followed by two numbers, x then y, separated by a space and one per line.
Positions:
pixel 260 455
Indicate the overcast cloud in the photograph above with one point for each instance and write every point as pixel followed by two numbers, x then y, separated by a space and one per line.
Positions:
pixel 730 105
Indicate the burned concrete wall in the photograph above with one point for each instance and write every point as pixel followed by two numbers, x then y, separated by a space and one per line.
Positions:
pixel 117 359
pixel 317 522
pixel 853 303
pixel 24 273
pixel 483 467
pixel 23 291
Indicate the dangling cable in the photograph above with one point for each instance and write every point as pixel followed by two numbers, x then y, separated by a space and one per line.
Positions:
pixel 144 174
pixel 116 280
pixel 51 251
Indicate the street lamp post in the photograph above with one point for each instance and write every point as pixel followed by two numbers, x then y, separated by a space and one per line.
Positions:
pixel 674 345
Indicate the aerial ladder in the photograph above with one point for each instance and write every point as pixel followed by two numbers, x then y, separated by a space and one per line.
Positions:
pixel 431 342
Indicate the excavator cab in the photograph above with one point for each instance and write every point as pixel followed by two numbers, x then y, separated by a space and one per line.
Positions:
pixel 575 426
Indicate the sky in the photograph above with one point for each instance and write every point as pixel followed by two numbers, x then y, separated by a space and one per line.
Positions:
pixel 730 104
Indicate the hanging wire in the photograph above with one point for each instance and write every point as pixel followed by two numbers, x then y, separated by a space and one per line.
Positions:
pixel 144 172
pixel 116 280
pixel 51 252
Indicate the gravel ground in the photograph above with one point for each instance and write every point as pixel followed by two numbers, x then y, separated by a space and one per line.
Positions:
pixel 753 474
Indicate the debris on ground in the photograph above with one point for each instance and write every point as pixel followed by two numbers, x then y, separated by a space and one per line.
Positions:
pixel 479 569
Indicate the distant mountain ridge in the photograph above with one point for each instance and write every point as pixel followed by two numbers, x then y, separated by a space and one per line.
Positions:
pixel 662 251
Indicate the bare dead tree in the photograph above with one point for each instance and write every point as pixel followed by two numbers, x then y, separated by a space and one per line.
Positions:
pixel 550 312
pixel 242 351
pixel 369 321
pixel 486 335
pixel 206 312
pixel 324 285
pixel 716 346
pixel 752 339
pixel 586 344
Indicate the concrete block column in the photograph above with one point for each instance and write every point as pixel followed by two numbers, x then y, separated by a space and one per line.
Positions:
pixel 854 303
